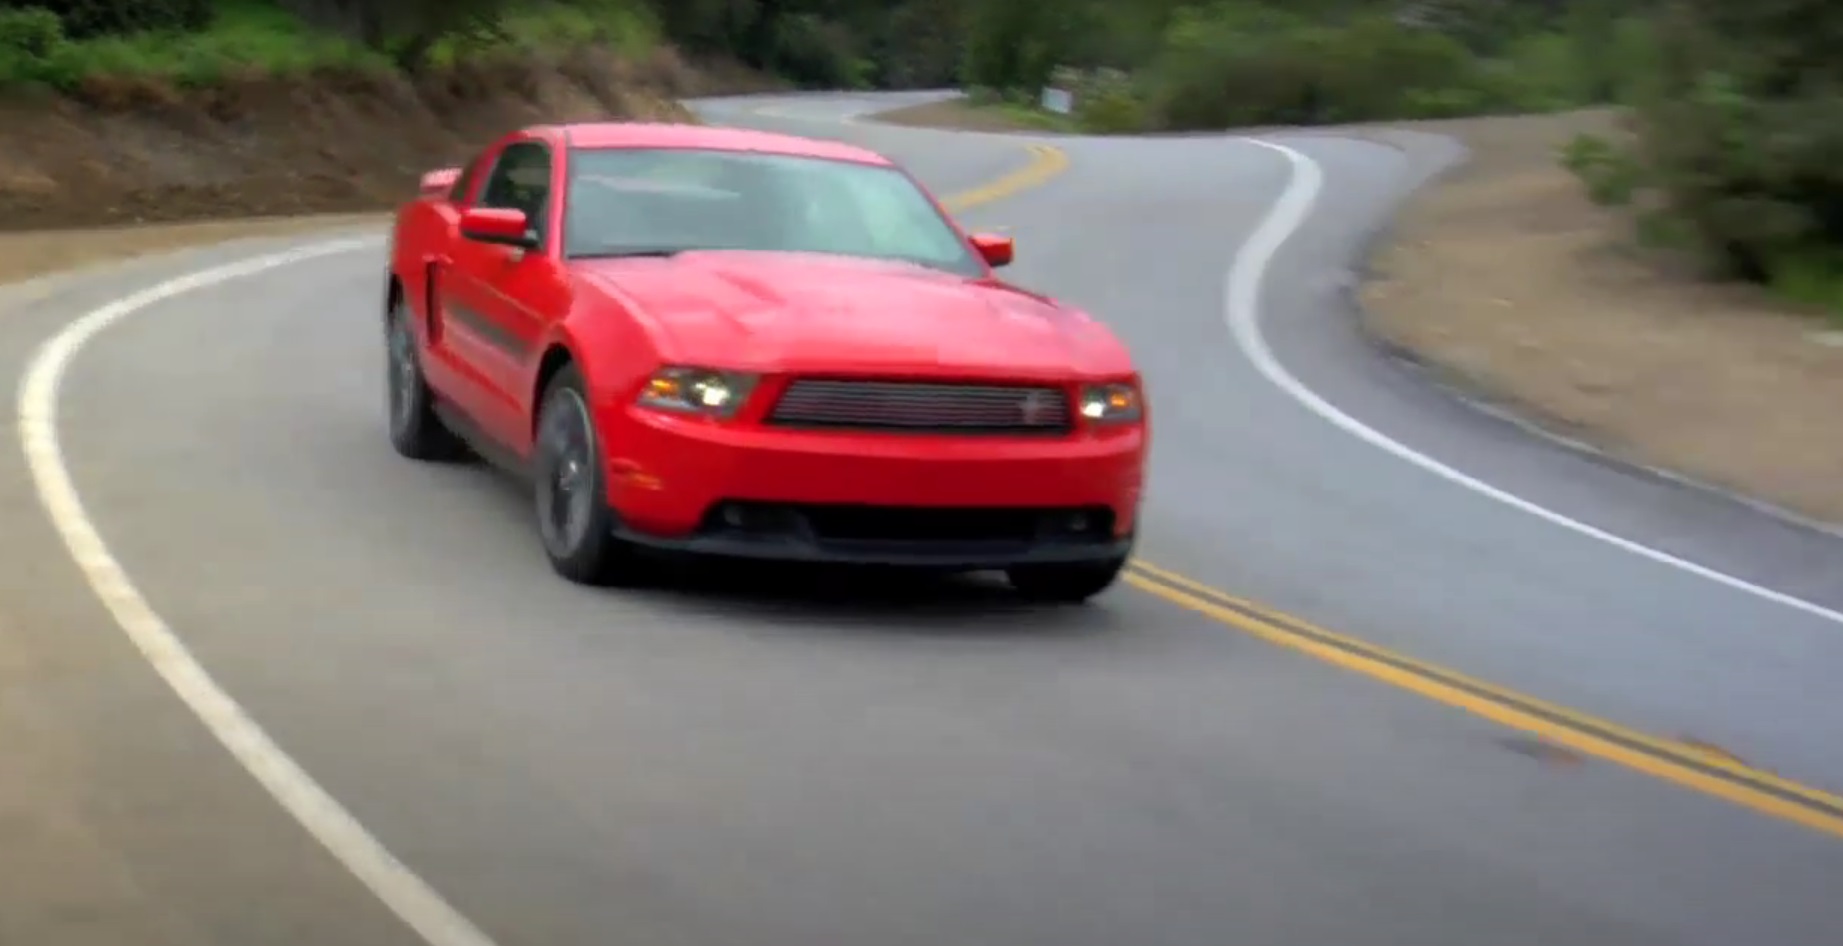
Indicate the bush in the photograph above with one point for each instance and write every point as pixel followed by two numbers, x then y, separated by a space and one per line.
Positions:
pixel 1743 130
pixel 1113 113
pixel 32 44
pixel 1241 65
pixel 30 32
pixel 1542 72
pixel 1107 103
pixel 1611 174
pixel 271 38
pixel 84 19
pixel 1017 45
pixel 817 53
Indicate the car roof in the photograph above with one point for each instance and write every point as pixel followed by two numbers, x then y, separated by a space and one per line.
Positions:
pixel 594 135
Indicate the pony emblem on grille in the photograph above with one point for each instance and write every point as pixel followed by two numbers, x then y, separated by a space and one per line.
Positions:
pixel 1035 409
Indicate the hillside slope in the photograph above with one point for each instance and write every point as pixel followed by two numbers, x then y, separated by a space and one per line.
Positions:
pixel 137 151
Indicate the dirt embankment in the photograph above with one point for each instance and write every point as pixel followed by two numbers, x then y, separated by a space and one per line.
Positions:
pixel 82 177
pixel 128 152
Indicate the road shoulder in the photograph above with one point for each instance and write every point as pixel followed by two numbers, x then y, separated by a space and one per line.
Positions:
pixel 1505 281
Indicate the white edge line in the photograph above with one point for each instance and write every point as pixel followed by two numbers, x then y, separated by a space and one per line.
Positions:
pixel 1242 311
pixel 408 896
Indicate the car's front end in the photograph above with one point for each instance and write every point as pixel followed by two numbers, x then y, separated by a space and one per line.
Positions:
pixel 957 472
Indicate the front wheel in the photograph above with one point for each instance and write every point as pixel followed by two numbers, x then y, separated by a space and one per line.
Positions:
pixel 1065 583
pixel 571 498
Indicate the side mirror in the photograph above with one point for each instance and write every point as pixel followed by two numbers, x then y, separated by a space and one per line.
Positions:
pixel 498 225
pixel 996 249
pixel 438 182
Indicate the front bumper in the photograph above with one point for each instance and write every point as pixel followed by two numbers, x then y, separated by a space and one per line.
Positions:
pixel 788 533
pixel 687 485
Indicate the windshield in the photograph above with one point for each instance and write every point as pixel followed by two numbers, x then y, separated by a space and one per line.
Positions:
pixel 652 201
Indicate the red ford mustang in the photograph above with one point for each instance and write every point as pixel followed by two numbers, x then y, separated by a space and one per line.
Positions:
pixel 731 342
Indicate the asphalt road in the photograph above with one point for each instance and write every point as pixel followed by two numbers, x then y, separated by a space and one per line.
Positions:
pixel 789 761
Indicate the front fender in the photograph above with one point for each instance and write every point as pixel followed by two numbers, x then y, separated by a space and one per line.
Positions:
pixel 614 353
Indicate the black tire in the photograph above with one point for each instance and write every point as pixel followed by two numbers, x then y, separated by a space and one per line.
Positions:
pixel 415 430
pixel 1068 583
pixel 569 490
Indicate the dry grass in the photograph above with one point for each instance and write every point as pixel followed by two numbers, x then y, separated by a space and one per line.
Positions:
pixel 1505 275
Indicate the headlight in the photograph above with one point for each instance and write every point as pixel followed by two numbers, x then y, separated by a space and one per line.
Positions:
pixel 1111 403
pixel 696 391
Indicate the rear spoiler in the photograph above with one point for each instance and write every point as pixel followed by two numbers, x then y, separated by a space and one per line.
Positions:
pixel 438 182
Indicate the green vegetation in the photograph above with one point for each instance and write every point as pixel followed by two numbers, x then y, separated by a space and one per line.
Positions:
pixel 1138 64
pixel 1736 147
pixel 201 42
pixel 1191 64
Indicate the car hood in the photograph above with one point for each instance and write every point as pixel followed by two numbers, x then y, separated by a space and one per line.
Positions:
pixel 812 313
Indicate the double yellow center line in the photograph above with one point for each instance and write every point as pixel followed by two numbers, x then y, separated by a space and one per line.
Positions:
pixel 1692 766
pixel 1045 162
pixel 1701 768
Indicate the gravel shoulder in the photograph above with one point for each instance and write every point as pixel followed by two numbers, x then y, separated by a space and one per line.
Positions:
pixel 1505 278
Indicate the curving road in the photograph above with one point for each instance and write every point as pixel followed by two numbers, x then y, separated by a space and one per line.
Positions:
pixel 780 763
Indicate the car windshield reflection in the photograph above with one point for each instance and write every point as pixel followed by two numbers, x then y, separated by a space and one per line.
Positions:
pixel 658 202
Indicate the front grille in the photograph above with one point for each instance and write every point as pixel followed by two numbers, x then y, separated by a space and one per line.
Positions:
pixel 923 407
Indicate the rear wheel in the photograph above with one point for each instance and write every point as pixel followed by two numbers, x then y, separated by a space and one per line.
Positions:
pixel 1065 583
pixel 415 431
pixel 570 494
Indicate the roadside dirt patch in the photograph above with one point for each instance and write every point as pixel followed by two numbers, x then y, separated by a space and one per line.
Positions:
pixel 1505 277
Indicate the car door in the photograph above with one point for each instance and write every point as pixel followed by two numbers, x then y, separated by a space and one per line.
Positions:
pixel 451 362
pixel 499 299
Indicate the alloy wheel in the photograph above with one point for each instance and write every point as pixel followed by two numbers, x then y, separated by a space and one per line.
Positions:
pixel 565 474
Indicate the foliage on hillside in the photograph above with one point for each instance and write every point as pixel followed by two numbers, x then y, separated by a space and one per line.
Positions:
pixel 233 108
pixel 1197 63
pixel 63 43
pixel 1186 63
pixel 1735 151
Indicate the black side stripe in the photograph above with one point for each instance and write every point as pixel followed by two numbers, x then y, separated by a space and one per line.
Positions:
pixel 487 330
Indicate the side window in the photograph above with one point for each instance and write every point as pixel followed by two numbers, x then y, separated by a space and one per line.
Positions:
pixel 521 181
